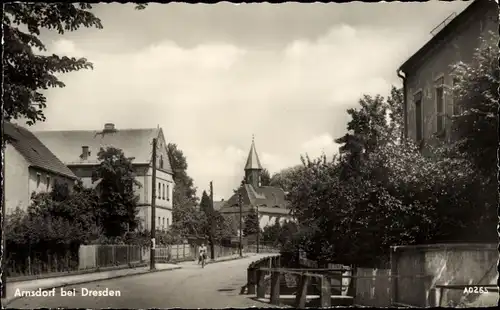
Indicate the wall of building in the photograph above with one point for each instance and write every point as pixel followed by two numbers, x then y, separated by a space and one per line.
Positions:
pixel 459 46
pixel 21 180
pixel 163 218
pixel 446 264
pixel 16 180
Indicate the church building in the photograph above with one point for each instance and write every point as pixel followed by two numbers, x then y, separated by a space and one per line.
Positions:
pixel 268 201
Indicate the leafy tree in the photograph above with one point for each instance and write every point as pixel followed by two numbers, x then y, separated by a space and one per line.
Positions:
pixel 27 73
pixel 184 195
pixel 205 203
pixel 265 177
pixel 56 224
pixel 284 178
pixel 270 233
pixel 475 128
pixel 117 199
pixel 251 223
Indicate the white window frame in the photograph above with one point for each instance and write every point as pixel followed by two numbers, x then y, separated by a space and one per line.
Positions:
pixel 38 179
pixel 48 182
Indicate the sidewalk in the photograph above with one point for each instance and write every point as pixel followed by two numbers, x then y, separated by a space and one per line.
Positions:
pixel 50 283
pixel 56 282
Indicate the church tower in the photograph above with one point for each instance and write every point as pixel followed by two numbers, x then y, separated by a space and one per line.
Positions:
pixel 253 167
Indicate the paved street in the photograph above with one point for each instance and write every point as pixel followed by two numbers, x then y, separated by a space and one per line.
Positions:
pixel 216 286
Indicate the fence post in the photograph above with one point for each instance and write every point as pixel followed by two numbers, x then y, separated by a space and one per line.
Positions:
pixel 177 250
pixel 261 285
pixel 326 299
pixel 251 280
pixel 183 251
pixel 433 298
pixel 113 254
pixel 275 287
pixel 301 298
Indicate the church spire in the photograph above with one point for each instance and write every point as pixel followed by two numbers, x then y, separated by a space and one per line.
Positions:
pixel 253 162
pixel 253 167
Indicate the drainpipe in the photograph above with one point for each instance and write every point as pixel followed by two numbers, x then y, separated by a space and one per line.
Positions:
pixel 405 106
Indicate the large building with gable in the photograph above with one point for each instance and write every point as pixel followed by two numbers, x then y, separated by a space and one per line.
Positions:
pixel 78 150
pixel 269 201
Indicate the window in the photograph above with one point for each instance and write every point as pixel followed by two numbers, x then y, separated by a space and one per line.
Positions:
pixel 158 194
pixel 168 220
pixel 163 192
pixel 158 224
pixel 48 182
pixel 168 192
pixel 38 177
pixel 161 161
pixel 418 116
pixel 456 108
pixel 440 111
pixel 163 223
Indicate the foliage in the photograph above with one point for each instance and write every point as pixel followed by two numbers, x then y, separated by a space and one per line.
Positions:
pixel 205 203
pixel 280 235
pixel 265 177
pixel 475 92
pixel 184 195
pixel 382 192
pixel 26 73
pixel 251 223
pixel 117 198
pixel 284 178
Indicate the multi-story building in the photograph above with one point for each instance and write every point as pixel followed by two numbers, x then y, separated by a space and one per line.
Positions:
pixel 30 167
pixel 78 149
pixel 427 75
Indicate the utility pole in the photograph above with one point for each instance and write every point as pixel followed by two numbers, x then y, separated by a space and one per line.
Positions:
pixel 240 202
pixel 211 221
pixel 4 242
pixel 258 228
pixel 153 210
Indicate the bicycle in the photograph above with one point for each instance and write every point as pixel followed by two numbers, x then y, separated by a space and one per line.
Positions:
pixel 203 261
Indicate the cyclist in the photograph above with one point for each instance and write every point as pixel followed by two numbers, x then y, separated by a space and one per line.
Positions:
pixel 203 253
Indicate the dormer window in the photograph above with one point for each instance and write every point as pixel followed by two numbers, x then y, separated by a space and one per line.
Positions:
pixel 85 153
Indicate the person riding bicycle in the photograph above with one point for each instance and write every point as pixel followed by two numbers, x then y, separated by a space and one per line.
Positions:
pixel 203 253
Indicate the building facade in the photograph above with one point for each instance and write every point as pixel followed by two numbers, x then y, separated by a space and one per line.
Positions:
pixel 428 77
pixel 269 202
pixel 30 167
pixel 79 150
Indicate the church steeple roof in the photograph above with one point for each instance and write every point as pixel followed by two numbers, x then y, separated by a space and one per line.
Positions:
pixel 253 162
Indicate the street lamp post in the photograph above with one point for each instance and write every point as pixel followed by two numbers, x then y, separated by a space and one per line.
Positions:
pixel 240 202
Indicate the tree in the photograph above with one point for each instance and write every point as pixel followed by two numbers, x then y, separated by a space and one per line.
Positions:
pixel 251 223
pixel 284 177
pixel 26 73
pixel 187 220
pixel 475 128
pixel 117 199
pixel 265 177
pixel 205 203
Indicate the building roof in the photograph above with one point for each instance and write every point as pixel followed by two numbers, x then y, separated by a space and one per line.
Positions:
pixel 218 205
pixel 34 151
pixel 253 162
pixel 447 30
pixel 268 199
pixel 135 143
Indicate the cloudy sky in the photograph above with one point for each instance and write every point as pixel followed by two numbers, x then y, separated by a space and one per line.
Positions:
pixel 213 75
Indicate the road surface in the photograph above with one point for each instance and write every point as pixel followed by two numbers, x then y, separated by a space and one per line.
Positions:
pixel 216 286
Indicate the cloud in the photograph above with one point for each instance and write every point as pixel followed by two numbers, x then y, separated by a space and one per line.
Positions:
pixel 211 98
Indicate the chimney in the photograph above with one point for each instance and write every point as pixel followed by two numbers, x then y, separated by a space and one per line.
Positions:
pixel 109 127
pixel 85 152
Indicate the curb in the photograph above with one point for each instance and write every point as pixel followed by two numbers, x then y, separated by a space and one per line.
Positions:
pixel 227 260
pixel 6 301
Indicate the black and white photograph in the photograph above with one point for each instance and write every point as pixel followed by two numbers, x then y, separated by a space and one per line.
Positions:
pixel 238 155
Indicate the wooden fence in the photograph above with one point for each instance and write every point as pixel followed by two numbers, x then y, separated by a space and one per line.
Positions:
pixel 98 255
